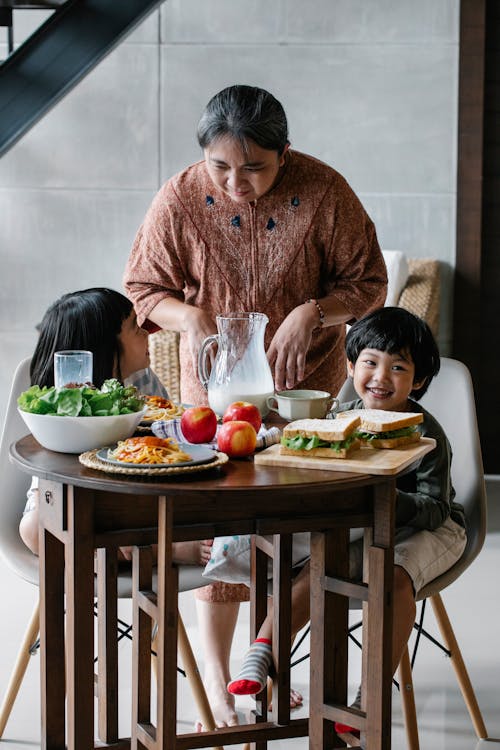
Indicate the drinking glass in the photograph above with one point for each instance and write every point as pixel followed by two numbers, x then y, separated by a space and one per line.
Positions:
pixel 72 366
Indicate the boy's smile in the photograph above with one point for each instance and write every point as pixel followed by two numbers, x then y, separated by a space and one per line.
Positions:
pixel 383 380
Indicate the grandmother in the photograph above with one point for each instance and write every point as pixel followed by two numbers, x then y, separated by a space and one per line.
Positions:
pixel 254 226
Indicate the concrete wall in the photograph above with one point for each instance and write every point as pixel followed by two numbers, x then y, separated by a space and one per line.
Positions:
pixel 370 86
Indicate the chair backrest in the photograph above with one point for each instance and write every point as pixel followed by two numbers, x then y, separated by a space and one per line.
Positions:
pixel 14 485
pixel 450 399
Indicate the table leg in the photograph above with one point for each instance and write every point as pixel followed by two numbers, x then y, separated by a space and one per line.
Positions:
pixel 107 665
pixel 142 582
pixel 167 611
pixel 52 663
pixel 377 621
pixel 258 612
pixel 281 640
pixel 329 635
pixel 282 626
pixel 79 558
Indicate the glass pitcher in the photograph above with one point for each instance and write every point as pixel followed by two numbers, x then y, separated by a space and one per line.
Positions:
pixel 241 371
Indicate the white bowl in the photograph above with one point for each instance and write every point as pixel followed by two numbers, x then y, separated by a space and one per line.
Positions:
pixel 78 434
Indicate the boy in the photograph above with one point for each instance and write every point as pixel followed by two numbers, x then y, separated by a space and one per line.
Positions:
pixel 392 358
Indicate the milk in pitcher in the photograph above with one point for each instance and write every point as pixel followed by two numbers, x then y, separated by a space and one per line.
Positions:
pixel 219 399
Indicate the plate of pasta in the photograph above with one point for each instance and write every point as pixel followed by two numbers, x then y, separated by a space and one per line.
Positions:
pixel 161 408
pixel 155 453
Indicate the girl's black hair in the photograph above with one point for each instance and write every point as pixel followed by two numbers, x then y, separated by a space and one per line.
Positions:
pixel 90 319
pixel 245 113
pixel 395 330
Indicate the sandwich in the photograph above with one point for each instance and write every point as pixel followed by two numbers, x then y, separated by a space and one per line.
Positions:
pixel 387 429
pixel 321 438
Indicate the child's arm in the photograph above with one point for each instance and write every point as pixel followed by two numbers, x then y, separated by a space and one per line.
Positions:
pixel 28 526
pixel 425 495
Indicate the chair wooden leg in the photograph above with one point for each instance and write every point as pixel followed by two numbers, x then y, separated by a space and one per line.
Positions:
pixel 193 676
pixel 20 666
pixel 408 701
pixel 457 662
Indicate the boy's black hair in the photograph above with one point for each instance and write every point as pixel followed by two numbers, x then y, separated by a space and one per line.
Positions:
pixel 395 330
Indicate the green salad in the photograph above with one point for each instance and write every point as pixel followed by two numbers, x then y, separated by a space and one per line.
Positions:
pixel 301 443
pixel 83 401
pixel 389 434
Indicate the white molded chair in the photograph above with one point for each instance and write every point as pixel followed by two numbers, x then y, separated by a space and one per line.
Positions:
pixel 12 549
pixel 450 399
pixel 19 558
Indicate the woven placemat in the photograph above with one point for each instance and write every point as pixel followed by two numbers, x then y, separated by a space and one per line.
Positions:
pixel 91 460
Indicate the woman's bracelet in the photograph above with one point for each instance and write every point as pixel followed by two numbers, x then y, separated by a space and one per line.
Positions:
pixel 320 310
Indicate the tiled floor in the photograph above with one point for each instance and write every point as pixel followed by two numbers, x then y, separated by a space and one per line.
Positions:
pixel 473 604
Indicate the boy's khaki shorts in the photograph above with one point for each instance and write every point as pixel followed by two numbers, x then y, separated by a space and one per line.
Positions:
pixel 424 555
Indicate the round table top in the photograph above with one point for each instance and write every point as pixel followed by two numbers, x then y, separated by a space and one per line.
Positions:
pixel 239 474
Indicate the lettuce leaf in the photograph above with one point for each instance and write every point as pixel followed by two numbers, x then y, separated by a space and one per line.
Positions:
pixel 112 399
pixel 402 432
pixel 300 443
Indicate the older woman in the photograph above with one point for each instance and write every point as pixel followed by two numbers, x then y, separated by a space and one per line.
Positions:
pixel 254 226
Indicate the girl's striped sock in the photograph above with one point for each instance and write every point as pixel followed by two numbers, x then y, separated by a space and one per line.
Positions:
pixel 252 677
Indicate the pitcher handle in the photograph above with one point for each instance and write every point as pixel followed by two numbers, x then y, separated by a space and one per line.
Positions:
pixel 203 373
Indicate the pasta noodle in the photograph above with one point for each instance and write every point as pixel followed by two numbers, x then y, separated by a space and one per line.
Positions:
pixel 148 450
pixel 161 408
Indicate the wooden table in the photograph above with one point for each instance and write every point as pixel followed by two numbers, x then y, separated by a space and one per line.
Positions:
pixel 83 509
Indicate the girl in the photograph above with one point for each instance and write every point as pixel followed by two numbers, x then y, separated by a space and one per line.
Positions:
pixel 102 321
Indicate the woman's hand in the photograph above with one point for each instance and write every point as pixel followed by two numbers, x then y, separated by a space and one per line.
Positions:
pixel 172 314
pixel 290 344
pixel 198 325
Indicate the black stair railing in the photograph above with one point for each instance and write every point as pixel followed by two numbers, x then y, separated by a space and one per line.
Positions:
pixel 71 42
pixel 7 8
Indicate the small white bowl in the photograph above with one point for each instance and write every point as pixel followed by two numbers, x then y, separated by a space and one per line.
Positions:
pixel 78 434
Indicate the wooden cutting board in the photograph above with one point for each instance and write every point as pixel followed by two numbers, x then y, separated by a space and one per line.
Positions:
pixel 361 461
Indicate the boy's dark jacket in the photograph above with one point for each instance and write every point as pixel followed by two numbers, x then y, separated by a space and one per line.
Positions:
pixel 425 495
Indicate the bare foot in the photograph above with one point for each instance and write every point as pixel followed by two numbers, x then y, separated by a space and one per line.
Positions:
pixel 296 699
pixel 221 703
pixel 192 553
pixel 185 553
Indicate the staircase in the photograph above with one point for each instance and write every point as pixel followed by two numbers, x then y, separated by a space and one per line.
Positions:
pixel 75 38
pixel 7 8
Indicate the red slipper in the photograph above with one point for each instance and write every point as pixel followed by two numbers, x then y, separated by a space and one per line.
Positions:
pixel 347 733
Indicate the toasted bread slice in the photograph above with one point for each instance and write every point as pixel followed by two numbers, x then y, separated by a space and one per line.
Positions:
pixel 321 452
pixel 397 442
pixel 325 429
pixel 378 420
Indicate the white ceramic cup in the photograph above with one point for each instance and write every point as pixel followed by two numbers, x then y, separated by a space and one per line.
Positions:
pixel 302 404
pixel 72 366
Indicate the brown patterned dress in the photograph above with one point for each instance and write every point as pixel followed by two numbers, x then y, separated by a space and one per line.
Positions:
pixel 308 237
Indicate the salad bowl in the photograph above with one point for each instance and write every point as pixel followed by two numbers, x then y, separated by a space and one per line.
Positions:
pixel 79 434
pixel 77 419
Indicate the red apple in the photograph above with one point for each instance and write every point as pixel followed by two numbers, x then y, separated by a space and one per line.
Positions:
pixel 243 411
pixel 198 424
pixel 237 438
